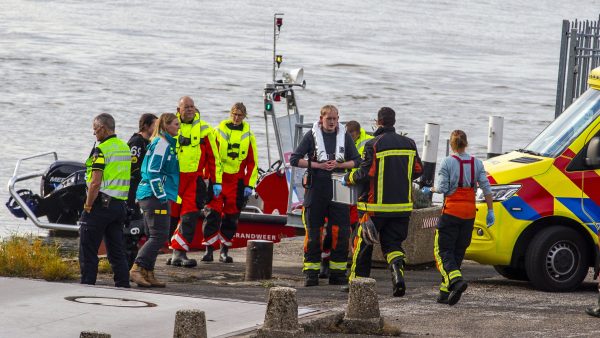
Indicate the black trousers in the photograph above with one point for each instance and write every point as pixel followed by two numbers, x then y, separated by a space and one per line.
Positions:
pixel 103 223
pixel 452 237
pixel 338 219
pixel 392 232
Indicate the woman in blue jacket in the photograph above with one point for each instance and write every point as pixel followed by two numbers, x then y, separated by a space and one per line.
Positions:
pixel 159 184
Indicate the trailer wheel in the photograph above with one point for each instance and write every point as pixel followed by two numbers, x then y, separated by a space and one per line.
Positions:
pixel 557 259
pixel 510 272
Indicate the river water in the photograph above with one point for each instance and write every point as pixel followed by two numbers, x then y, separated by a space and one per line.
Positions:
pixel 448 62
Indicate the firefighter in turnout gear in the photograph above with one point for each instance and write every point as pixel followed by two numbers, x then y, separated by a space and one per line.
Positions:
pixel 239 159
pixel 384 179
pixel 198 160
pixel 328 148
pixel 360 137
pixel 457 181
pixel 105 210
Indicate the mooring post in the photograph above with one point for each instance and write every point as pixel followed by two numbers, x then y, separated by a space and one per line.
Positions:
pixel 362 315
pixel 430 150
pixel 281 317
pixel 190 323
pixel 495 134
pixel 259 260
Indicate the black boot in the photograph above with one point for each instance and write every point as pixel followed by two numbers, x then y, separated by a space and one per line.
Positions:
pixel 223 257
pixel 443 297
pixel 594 312
pixel 338 278
pixel 312 278
pixel 398 285
pixel 180 259
pixel 208 255
pixel 457 287
pixel 324 272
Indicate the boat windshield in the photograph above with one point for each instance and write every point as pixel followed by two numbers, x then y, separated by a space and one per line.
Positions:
pixel 562 131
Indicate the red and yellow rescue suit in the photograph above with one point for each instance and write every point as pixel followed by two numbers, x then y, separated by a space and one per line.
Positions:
pixel 198 160
pixel 239 160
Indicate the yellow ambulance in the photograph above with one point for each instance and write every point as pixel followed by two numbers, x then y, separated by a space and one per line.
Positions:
pixel 546 202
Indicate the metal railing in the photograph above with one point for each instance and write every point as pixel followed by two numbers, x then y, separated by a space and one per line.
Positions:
pixel 579 54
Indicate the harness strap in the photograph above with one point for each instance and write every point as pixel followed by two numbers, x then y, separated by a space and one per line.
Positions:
pixel 462 162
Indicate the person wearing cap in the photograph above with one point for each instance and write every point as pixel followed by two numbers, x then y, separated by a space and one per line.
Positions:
pixel 236 145
pixel 390 162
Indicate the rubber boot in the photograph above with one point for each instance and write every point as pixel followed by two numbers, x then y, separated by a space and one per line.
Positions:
pixel 443 297
pixel 137 275
pixel 153 281
pixel 224 257
pixel 324 272
pixel 457 287
pixel 312 278
pixel 208 254
pixel 180 259
pixel 398 284
pixel 594 312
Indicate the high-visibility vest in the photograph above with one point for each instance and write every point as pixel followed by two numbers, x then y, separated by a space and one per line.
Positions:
pixel 362 140
pixel 189 155
pixel 117 168
pixel 234 147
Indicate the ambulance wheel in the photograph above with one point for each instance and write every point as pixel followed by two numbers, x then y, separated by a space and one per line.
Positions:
pixel 557 259
pixel 510 272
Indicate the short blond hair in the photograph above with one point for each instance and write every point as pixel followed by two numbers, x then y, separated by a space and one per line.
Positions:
pixel 329 109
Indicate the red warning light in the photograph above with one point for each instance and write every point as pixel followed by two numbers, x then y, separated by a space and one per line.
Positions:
pixel 279 22
pixel 277 97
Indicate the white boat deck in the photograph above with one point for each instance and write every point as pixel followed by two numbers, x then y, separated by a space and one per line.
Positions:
pixel 32 308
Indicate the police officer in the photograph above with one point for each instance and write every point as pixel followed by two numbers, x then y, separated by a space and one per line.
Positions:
pixel 329 148
pixel 360 137
pixel 239 159
pixel 198 160
pixel 390 164
pixel 104 212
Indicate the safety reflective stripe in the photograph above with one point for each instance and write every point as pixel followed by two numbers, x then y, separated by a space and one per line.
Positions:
pixel 223 134
pixel 177 238
pixel 399 207
pixel 338 265
pixel 393 255
pixel 355 254
pixel 211 240
pixel 439 263
pixel 157 188
pixel 195 122
pixel 362 144
pixel 454 274
pixel 160 211
pixel 245 135
pixel 124 158
pixel 117 170
pixel 242 137
pixel 311 266
pixel 380 185
pixel 224 241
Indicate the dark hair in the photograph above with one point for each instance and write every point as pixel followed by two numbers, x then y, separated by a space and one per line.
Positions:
pixel 106 120
pixel 458 140
pixel 146 120
pixel 386 116
pixel 352 126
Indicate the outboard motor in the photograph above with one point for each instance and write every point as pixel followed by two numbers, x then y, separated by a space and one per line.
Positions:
pixel 63 192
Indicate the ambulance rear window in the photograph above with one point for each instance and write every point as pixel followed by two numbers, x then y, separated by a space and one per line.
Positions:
pixel 568 126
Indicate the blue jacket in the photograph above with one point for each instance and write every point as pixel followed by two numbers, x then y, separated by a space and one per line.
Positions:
pixel 160 171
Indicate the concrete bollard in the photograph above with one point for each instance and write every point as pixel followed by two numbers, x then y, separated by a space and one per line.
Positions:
pixel 93 334
pixel 495 134
pixel 190 324
pixel 362 315
pixel 259 260
pixel 430 150
pixel 281 317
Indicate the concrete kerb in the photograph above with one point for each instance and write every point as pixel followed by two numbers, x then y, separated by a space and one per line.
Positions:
pixel 281 317
pixel 93 334
pixel 190 324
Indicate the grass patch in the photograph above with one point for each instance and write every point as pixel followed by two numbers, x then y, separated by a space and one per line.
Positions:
pixel 30 257
pixel 104 266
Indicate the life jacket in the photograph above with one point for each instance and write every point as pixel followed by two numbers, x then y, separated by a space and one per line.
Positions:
pixel 116 174
pixel 362 140
pixel 462 202
pixel 320 151
pixel 233 145
pixel 188 139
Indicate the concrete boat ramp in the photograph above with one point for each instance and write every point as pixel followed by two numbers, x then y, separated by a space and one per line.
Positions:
pixel 32 308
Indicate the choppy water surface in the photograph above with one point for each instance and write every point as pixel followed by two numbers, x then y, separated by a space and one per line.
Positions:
pixel 454 63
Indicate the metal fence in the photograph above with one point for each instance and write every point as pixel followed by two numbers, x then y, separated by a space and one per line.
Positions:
pixel 579 54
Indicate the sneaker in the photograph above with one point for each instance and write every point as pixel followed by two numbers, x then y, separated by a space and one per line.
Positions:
pixel 312 279
pixel 456 291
